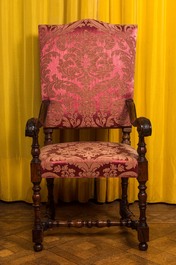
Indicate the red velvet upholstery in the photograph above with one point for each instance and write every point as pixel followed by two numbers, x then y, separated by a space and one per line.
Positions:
pixel 87 73
pixel 88 159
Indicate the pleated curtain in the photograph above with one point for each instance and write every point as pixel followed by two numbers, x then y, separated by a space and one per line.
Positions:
pixel 155 93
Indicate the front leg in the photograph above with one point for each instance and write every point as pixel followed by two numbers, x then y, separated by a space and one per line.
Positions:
pixel 37 232
pixel 32 130
pixel 142 228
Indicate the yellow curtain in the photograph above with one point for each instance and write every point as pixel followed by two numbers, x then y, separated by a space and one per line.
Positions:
pixel 155 91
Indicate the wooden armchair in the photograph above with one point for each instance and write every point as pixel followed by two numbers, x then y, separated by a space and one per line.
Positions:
pixel 87 81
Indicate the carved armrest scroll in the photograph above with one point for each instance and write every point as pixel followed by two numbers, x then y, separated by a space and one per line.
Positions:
pixel 32 129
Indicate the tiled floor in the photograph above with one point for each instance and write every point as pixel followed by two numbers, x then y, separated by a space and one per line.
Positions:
pixel 84 246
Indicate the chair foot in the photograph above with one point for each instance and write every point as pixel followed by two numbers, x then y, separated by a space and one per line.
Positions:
pixel 38 247
pixel 143 246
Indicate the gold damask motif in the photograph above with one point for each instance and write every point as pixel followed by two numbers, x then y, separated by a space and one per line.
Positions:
pixel 87 70
pixel 87 159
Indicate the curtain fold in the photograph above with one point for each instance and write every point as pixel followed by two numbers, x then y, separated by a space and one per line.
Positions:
pixel 155 82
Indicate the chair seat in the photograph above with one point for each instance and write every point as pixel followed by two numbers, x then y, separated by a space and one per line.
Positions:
pixel 88 160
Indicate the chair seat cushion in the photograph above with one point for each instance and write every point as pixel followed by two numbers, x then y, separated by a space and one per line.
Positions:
pixel 88 160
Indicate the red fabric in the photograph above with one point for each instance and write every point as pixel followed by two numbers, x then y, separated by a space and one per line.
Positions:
pixel 87 72
pixel 88 160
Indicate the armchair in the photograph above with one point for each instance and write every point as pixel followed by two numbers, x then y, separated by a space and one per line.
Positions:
pixel 87 81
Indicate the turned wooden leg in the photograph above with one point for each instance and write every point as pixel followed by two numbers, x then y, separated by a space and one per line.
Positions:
pixel 124 206
pixel 37 232
pixel 123 201
pixel 50 208
pixel 32 130
pixel 142 229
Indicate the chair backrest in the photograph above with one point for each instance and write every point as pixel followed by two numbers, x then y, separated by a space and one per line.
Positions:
pixel 87 73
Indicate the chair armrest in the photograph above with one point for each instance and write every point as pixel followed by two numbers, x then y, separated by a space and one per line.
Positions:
pixel 143 124
pixel 43 112
pixel 33 125
pixel 32 128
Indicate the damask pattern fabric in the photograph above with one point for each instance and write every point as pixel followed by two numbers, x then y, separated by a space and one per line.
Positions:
pixel 88 160
pixel 87 73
